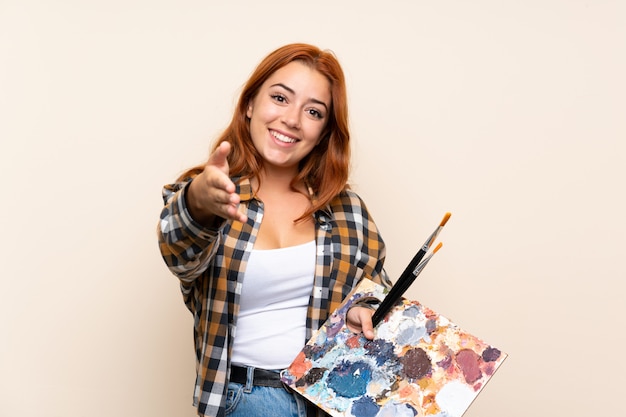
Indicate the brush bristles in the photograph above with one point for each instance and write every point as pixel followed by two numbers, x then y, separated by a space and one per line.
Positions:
pixel 437 247
pixel 445 219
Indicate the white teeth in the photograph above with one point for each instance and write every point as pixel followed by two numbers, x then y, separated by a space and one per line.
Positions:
pixel 283 138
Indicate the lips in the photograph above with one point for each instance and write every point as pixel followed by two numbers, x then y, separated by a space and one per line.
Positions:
pixel 283 138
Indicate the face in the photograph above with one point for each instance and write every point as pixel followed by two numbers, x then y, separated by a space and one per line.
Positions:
pixel 288 115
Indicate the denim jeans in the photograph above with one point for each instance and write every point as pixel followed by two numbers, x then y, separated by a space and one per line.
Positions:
pixel 254 401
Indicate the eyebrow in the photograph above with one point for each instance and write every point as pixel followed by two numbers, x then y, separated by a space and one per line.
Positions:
pixel 313 100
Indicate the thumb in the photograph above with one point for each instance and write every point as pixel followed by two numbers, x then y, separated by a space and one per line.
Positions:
pixel 219 159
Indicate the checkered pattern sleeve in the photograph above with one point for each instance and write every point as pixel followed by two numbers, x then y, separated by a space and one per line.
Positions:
pixel 186 246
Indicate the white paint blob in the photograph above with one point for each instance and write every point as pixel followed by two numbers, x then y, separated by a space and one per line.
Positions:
pixel 454 398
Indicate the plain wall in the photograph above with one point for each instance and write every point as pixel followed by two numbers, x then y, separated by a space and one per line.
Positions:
pixel 509 114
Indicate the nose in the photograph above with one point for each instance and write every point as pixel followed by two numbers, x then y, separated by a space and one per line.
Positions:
pixel 291 117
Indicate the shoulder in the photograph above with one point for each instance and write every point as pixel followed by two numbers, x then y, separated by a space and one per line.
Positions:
pixel 355 229
pixel 348 201
pixel 349 210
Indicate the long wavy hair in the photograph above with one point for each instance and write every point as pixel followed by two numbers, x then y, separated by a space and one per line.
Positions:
pixel 325 169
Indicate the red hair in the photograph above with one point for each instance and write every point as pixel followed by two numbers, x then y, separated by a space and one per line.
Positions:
pixel 325 170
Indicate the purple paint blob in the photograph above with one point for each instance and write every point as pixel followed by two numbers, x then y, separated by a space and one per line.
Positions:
pixel 350 379
pixel 331 331
pixel 491 354
pixel 445 362
pixel 317 351
pixel 416 363
pixel 365 407
pixel 431 325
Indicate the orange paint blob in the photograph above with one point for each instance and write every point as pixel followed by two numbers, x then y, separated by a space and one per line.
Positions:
pixel 299 366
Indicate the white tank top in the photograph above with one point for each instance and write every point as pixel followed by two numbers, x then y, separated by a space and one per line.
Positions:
pixel 271 325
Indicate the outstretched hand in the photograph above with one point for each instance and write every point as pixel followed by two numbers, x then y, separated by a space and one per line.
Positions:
pixel 359 319
pixel 212 194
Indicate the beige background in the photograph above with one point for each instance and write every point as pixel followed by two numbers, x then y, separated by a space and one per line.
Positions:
pixel 509 114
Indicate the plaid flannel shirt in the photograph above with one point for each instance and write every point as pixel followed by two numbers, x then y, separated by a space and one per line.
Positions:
pixel 210 265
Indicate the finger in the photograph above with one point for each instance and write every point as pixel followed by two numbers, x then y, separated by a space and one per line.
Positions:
pixel 366 323
pixel 234 214
pixel 218 196
pixel 359 320
pixel 217 180
pixel 226 205
pixel 217 168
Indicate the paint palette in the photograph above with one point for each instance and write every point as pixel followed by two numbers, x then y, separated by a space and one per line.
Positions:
pixel 419 364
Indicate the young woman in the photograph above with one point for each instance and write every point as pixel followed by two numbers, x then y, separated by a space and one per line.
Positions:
pixel 266 238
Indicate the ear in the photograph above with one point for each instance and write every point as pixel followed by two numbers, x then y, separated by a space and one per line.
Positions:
pixel 249 111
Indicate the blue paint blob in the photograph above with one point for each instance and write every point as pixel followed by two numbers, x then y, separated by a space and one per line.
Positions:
pixel 364 407
pixel 381 350
pixel 411 335
pixel 350 379
pixel 393 409
pixel 411 311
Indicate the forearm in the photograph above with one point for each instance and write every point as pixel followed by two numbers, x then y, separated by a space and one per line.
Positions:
pixel 186 246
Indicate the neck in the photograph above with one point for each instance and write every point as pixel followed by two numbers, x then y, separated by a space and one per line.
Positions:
pixel 278 179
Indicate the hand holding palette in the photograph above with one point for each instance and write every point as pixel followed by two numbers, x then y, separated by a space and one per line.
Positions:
pixel 419 364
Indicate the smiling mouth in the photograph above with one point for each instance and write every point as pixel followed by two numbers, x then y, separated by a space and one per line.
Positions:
pixel 282 138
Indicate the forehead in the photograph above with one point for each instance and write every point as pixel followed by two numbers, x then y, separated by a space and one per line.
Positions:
pixel 302 80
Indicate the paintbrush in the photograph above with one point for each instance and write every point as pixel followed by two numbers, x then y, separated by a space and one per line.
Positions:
pixel 410 273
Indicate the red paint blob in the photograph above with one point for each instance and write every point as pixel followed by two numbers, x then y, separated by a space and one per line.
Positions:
pixel 469 362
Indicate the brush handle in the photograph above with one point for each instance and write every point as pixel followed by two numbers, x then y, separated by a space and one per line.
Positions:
pixel 408 276
pixel 398 289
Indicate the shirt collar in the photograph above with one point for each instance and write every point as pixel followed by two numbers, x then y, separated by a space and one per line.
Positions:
pixel 244 189
pixel 246 193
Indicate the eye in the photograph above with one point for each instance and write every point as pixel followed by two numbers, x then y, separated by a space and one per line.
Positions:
pixel 279 98
pixel 315 113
